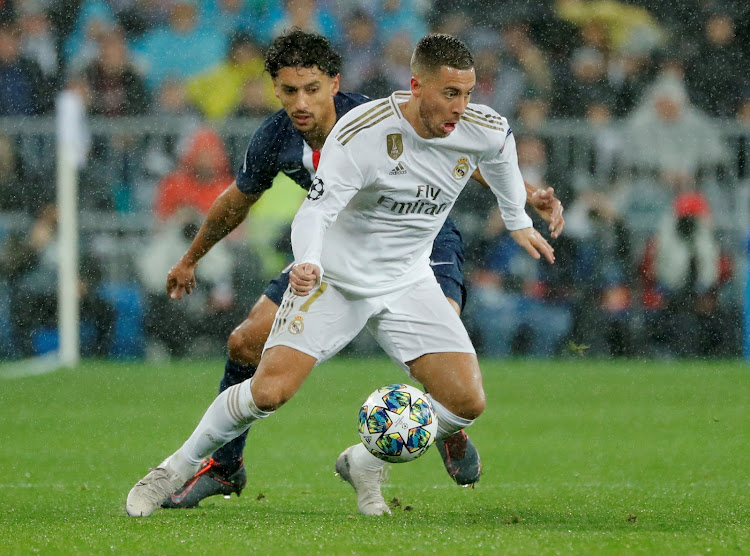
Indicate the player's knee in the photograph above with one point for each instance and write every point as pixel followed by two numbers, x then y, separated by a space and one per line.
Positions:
pixel 474 406
pixel 245 346
pixel 271 395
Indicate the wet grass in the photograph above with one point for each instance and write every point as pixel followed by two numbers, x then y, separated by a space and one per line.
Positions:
pixel 580 457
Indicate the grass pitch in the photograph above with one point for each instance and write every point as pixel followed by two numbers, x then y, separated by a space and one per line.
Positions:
pixel 580 457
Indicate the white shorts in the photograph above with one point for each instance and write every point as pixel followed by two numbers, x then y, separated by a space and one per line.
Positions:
pixel 407 324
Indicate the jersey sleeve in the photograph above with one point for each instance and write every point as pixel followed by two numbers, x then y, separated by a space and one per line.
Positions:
pixel 260 166
pixel 337 180
pixel 500 169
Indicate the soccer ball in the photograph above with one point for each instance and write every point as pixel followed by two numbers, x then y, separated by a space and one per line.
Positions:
pixel 397 423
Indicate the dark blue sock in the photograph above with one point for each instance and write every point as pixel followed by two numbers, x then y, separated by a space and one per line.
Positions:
pixel 229 456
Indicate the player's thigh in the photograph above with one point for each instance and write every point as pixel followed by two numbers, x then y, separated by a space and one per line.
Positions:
pixel 255 328
pixel 247 340
pixel 319 324
pixel 418 321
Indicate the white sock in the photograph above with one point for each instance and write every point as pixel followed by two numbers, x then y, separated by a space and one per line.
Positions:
pixel 448 422
pixel 363 458
pixel 230 414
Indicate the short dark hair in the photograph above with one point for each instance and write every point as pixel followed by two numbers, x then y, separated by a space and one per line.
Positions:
pixel 299 49
pixel 438 49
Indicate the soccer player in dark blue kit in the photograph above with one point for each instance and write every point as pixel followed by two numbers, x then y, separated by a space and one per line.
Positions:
pixel 305 72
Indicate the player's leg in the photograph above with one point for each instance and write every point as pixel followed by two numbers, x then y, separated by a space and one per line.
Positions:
pixel 301 335
pixel 279 376
pixel 224 472
pixel 460 456
pixel 423 333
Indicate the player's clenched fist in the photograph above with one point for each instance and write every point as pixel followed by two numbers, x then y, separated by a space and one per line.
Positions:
pixel 303 278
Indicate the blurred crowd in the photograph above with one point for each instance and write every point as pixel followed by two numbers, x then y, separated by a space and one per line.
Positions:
pixel 648 88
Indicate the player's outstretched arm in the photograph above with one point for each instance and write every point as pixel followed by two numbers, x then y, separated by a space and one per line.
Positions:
pixel 228 211
pixel 544 202
pixel 534 243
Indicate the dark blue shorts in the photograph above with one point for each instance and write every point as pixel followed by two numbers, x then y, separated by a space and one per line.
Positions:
pixel 446 260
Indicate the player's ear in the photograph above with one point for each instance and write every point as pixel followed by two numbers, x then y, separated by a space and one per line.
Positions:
pixel 416 86
pixel 276 88
pixel 335 82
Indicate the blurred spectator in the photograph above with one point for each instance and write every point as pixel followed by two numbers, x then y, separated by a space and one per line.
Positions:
pixel 398 16
pixel 23 91
pixel 629 72
pixel 184 48
pixel 605 275
pixel 253 101
pixel 209 311
pixel 487 66
pixel 231 16
pixel 689 269
pixel 715 76
pixel 93 21
pixel 218 91
pixel 509 315
pixel 666 133
pixel 38 41
pixel 30 266
pixel 203 173
pixel 523 69
pixel 172 99
pixel 308 15
pixel 587 84
pixel 532 112
pixel 363 56
pixel 611 25
pixel 394 73
pixel 116 86
pixel 18 191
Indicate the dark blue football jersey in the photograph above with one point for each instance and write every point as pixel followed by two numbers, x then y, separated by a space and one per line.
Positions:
pixel 277 146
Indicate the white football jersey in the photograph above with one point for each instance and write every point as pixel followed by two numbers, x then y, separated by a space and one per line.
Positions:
pixel 382 193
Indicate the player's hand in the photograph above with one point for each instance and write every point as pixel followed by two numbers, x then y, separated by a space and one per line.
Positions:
pixel 180 280
pixel 549 208
pixel 303 278
pixel 534 243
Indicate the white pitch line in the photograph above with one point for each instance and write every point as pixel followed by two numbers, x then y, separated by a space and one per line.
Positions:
pixel 41 365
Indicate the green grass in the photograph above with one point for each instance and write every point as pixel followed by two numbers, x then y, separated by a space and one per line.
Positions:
pixel 580 457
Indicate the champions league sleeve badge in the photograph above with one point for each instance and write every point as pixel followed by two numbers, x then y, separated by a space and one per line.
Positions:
pixel 316 189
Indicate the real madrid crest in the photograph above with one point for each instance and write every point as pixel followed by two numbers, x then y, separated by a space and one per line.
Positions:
pixel 395 145
pixel 297 326
pixel 461 168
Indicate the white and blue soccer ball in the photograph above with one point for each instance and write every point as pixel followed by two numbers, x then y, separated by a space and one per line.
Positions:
pixel 397 423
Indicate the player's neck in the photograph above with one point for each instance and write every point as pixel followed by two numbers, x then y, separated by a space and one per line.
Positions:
pixel 410 110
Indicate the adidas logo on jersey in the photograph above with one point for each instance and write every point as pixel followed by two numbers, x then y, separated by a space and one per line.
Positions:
pixel 398 170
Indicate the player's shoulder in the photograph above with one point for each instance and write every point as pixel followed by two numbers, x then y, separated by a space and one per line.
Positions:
pixel 482 119
pixel 365 120
pixel 345 101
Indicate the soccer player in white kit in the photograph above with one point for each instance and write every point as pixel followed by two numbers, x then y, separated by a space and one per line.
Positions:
pixel 389 174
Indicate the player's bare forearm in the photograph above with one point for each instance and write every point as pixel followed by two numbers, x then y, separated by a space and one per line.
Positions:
pixel 228 211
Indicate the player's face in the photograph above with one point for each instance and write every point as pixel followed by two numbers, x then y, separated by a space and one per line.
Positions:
pixel 442 99
pixel 307 97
